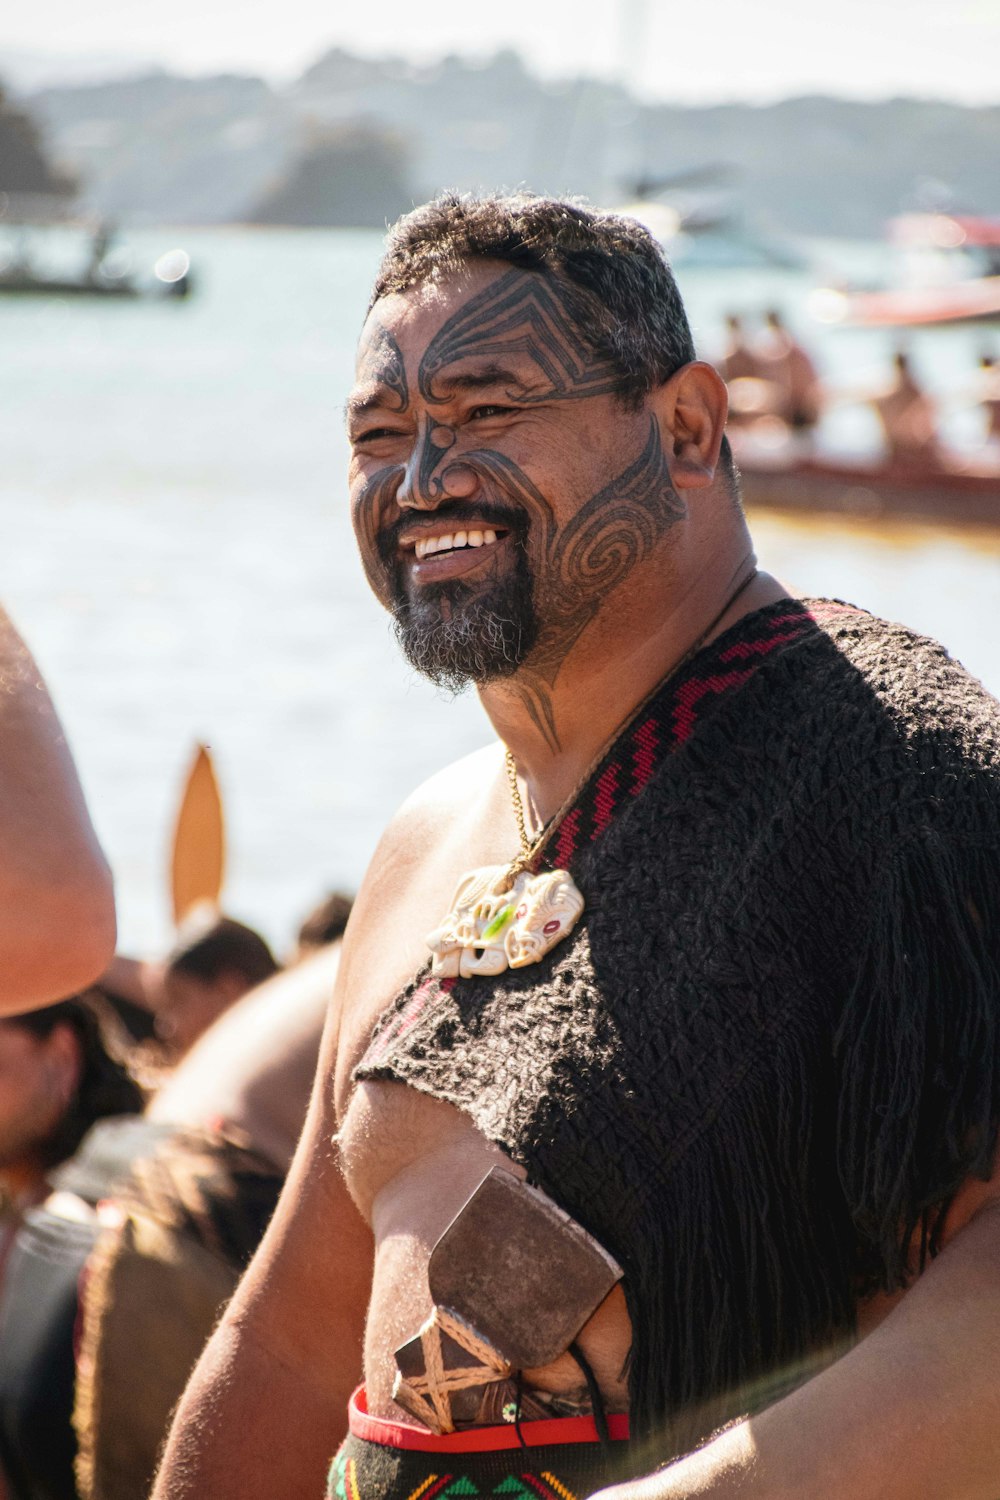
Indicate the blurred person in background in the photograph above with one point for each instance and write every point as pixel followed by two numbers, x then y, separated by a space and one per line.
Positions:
pixel 908 418
pixel 138 1282
pixel 738 361
pixel 325 924
pixel 214 961
pixel 58 1083
pixel 57 916
pixel 989 400
pixel 126 995
pixel 750 395
pixel 189 1217
pixel 797 392
pixel 252 1070
pixel 57 1079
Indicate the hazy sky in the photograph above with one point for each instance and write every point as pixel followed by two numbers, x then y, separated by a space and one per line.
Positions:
pixel 702 50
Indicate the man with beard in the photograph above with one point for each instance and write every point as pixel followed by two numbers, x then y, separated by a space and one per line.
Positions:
pixel 688 1125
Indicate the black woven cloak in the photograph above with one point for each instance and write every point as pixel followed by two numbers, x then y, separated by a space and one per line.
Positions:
pixel 764 1063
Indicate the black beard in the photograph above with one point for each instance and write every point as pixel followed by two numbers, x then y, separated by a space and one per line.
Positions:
pixel 455 634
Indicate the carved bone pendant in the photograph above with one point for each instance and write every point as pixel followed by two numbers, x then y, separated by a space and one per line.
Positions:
pixel 497 923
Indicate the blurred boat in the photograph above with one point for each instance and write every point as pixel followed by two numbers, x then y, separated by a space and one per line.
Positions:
pixel 711 240
pixel 107 271
pixel 24 282
pixel 823 487
pixel 975 301
pixel 698 222
pixel 952 275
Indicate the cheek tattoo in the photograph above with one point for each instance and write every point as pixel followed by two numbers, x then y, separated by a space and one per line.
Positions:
pixel 373 504
pixel 616 529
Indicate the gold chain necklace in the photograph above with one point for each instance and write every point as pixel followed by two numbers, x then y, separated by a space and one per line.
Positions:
pixel 528 851
pixel 502 916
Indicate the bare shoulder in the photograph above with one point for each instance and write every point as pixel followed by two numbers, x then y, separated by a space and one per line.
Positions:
pixel 444 801
pixel 443 810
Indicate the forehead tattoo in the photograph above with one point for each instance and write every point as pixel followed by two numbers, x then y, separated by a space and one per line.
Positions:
pixel 520 314
pixel 381 364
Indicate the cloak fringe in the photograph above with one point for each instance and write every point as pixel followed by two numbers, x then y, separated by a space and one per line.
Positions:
pixel 915 1072
pixel 749 1229
pixel 918 1051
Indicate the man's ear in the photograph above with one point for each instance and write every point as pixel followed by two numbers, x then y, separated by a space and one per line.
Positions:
pixel 692 407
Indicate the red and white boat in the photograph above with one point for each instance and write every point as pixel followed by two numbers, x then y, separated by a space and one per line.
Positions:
pixel 954 277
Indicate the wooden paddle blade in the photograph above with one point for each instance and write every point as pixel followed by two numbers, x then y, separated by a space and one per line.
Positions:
pixel 197 863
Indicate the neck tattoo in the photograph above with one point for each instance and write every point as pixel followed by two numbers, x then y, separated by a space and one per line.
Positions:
pixel 503 916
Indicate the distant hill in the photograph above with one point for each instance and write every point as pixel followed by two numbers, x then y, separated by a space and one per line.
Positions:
pixel 163 149
pixel 216 149
pixel 352 174
pixel 836 166
pixel 26 169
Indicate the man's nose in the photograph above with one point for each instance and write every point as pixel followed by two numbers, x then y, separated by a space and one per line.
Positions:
pixel 423 484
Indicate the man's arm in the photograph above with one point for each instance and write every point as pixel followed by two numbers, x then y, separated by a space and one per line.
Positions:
pixel 57 917
pixel 266 1406
pixel 911 1413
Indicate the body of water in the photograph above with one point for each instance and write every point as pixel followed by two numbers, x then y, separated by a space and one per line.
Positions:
pixel 177 549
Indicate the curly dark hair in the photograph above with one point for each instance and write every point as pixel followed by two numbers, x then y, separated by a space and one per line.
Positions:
pixel 106 1086
pixel 613 275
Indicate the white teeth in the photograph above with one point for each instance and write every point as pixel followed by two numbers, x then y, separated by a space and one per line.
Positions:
pixel 426 546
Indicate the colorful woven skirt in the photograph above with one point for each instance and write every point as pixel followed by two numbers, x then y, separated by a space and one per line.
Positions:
pixel 557 1459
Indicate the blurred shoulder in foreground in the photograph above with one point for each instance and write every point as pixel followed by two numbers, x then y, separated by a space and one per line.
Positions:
pixel 57 915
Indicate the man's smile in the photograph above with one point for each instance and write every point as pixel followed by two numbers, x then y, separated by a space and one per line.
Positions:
pixel 440 550
pixel 451 541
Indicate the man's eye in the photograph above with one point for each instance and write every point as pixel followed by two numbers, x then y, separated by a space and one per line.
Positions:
pixel 371 435
pixel 478 413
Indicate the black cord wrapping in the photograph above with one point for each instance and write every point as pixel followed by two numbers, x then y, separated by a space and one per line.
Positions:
pixel 596 1400
pixel 517 1408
